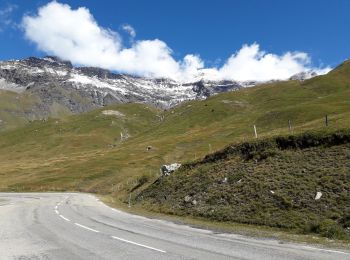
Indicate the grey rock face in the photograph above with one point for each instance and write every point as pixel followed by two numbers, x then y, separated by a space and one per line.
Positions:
pixel 304 75
pixel 57 83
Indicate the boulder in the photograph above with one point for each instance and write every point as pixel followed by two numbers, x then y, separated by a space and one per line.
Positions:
pixel 166 170
pixel 318 195
pixel 188 198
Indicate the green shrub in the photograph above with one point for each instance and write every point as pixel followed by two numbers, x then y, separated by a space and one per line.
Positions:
pixel 140 181
pixel 143 179
pixel 235 177
pixel 345 221
pixel 327 228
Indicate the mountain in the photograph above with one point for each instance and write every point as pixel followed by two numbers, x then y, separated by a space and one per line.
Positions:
pixel 304 75
pixel 79 89
pixel 38 88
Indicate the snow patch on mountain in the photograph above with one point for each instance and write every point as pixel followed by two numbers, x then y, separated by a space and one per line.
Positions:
pixel 55 81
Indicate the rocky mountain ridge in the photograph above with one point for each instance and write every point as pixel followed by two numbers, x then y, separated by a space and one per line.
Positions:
pixel 50 75
pixel 57 87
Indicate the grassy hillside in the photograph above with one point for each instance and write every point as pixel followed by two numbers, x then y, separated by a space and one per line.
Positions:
pixel 74 153
pixel 18 109
pixel 271 182
pixel 13 108
pixel 85 152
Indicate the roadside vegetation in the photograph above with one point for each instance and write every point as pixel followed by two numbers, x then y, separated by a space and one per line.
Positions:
pixel 297 182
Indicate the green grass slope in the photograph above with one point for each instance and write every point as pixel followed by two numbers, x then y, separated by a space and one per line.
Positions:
pixel 271 182
pixel 69 154
pixel 13 109
pixel 18 109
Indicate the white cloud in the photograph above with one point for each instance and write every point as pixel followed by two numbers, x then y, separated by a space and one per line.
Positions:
pixel 130 30
pixel 252 63
pixel 5 16
pixel 75 35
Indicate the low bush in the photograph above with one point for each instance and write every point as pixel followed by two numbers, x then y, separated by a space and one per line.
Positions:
pixel 326 228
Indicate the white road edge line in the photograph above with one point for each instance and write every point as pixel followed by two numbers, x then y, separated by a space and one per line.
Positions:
pixel 325 250
pixel 82 226
pixel 137 244
pixel 66 219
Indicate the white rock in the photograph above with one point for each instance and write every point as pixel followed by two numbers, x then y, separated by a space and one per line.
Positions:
pixel 187 198
pixel 318 195
pixel 170 168
pixel 112 113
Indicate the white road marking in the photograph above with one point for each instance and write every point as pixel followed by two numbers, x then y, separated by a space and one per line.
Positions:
pixel 325 250
pixel 137 244
pixel 82 226
pixel 56 207
pixel 66 219
pixel 6 204
pixel 57 212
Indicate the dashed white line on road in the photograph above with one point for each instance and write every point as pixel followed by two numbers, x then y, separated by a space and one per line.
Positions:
pixel 66 219
pixel 137 244
pixel 57 212
pixel 7 204
pixel 325 250
pixel 82 226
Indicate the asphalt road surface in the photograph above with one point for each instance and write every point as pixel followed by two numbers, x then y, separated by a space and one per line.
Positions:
pixel 79 226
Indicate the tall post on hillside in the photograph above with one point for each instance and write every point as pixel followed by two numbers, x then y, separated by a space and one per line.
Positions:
pixel 209 148
pixel 326 120
pixel 255 132
pixel 129 201
pixel 290 125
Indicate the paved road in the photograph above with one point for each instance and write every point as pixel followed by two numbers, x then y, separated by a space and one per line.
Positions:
pixel 78 226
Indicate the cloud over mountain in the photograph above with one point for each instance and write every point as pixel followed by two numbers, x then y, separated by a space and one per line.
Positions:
pixel 75 35
pixel 129 29
pixel 5 16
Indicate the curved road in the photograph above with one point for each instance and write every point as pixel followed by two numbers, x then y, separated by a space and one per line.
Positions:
pixel 78 226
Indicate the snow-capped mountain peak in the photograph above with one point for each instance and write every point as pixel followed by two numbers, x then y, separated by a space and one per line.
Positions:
pixel 57 84
pixel 58 81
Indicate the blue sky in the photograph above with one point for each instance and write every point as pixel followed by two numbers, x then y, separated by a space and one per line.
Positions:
pixel 213 30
